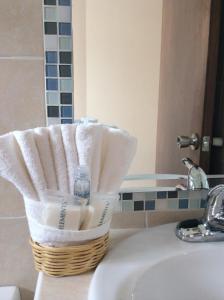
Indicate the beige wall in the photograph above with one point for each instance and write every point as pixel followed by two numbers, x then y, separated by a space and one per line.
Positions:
pixel 118 65
pixel 22 106
pixel 182 79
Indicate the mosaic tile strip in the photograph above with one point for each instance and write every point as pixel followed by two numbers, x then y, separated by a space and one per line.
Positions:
pixel 162 200
pixel 57 20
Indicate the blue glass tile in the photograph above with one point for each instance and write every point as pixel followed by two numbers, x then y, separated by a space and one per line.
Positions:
pixel 65 29
pixel 65 57
pixel 51 57
pixel 150 205
pixel 183 203
pixel 127 196
pixel 203 203
pixel 53 111
pixel 161 195
pixel 49 2
pixel 52 84
pixel 172 194
pixel 138 205
pixel 66 121
pixel 66 98
pixel 50 27
pixel 66 111
pixel 51 71
pixel 64 2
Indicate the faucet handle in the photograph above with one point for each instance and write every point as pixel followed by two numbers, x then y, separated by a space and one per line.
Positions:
pixel 214 213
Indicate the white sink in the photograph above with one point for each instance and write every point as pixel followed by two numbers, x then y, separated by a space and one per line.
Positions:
pixel 155 265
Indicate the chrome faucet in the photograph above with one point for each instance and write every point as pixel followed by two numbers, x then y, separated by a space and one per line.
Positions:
pixel 211 227
pixel 197 178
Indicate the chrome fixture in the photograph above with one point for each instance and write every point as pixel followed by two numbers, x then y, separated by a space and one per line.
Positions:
pixel 197 178
pixel 211 227
pixel 192 141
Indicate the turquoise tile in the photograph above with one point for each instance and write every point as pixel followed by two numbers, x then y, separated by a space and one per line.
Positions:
pixel 66 85
pixel 194 203
pixel 173 203
pixel 127 205
pixel 65 43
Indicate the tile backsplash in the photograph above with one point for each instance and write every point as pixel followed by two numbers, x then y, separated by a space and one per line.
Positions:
pixel 57 20
pixel 162 200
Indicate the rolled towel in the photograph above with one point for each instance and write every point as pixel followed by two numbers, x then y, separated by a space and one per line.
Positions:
pixel 68 135
pixel 13 168
pixel 60 163
pixel 41 135
pixel 89 140
pixel 118 151
pixel 27 144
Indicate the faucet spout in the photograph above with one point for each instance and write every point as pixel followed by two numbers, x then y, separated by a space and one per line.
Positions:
pixel 197 178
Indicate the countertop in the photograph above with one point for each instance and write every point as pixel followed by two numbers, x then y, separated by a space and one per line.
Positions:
pixel 74 287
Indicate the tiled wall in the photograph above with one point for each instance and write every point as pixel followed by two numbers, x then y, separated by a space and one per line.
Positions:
pixel 162 200
pixel 58 61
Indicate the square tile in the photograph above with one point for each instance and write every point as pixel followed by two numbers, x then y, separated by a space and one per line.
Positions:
pixel 139 196
pixel 161 195
pixel 52 84
pixel 183 203
pixel 65 43
pixel 66 98
pixel 64 14
pixel 150 205
pixel 138 205
pixel 66 85
pixel 50 27
pixel 53 111
pixel 150 195
pixel 51 57
pixel 66 121
pixel 161 204
pixel 195 194
pixel 172 203
pixel 53 98
pixel 51 42
pixel 66 111
pixel 65 70
pixel 203 203
pixel 194 203
pixel 49 2
pixel 53 121
pixel 183 194
pixel 127 196
pixel 65 57
pixel 51 70
pixel 50 14
pixel 172 194
pixel 127 205
pixel 64 2
pixel 65 29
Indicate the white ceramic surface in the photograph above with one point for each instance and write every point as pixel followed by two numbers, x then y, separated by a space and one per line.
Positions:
pixel 9 293
pixel 155 265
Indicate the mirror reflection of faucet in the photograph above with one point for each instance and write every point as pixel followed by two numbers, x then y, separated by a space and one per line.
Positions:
pixel 211 226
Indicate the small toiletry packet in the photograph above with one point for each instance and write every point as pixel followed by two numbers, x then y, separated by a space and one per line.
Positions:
pixel 62 211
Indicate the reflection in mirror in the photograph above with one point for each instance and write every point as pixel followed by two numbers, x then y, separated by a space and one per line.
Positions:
pixel 142 66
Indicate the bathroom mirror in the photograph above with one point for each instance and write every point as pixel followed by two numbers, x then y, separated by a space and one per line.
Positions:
pixel 142 66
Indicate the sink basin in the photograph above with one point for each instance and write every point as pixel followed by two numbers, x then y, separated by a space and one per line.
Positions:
pixel 154 265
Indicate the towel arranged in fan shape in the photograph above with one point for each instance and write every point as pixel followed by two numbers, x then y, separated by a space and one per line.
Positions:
pixel 46 158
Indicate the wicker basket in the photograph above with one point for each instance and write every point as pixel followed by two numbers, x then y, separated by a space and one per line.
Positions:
pixel 69 260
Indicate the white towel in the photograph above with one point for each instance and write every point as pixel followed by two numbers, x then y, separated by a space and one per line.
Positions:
pixel 58 150
pixel 13 168
pixel 89 146
pixel 27 144
pixel 68 135
pixel 41 135
pixel 118 151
